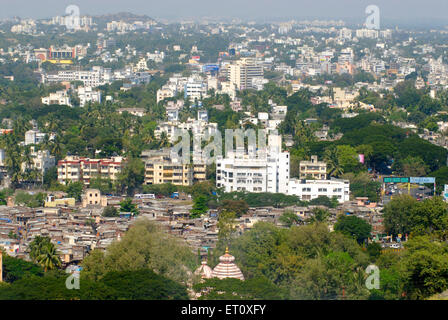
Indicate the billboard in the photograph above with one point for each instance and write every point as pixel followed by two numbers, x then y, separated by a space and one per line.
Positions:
pixel 416 180
pixel 395 180
pixel 210 68
pixel 422 180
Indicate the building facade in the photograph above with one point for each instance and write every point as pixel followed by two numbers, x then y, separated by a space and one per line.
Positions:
pixel 74 168
pixel 314 169
pixel 161 168
pixel 308 190
pixel 269 172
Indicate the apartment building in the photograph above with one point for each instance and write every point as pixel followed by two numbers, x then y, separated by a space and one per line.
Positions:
pixel 34 137
pixel 195 89
pixel 243 72
pixel 98 76
pixel 42 161
pixel 74 168
pixel 88 95
pixel 269 172
pixel 308 190
pixel 59 97
pixel 161 168
pixel 314 169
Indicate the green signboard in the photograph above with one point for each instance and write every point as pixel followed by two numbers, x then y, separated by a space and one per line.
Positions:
pixel 395 180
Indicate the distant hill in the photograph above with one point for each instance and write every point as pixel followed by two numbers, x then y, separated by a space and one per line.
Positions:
pixel 123 16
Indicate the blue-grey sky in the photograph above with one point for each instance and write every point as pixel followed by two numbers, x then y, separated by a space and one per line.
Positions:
pixel 401 10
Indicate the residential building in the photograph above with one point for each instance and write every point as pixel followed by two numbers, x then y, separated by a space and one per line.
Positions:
pixel 34 137
pixel 88 95
pixel 314 169
pixel 93 197
pixel 161 167
pixel 74 168
pixel 308 190
pixel 266 172
pixel 243 72
pixel 95 77
pixel 195 89
pixel 42 161
pixel 59 97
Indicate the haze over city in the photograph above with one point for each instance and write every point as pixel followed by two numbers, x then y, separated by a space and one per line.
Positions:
pixel 413 12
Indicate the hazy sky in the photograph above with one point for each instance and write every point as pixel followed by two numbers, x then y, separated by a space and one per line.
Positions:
pixel 401 10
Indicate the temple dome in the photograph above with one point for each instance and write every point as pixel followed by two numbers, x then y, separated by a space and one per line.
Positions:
pixel 226 268
pixel 204 271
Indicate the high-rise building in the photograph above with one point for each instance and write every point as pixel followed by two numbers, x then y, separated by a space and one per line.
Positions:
pixel 242 73
pixel 268 172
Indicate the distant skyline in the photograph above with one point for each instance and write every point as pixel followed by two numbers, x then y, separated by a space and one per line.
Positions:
pixel 410 12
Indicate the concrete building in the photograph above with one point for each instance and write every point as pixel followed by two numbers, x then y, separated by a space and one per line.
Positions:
pixel 95 77
pixel 93 197
pixel 74 168
pixel 34 137
pixel 87 95
pixel 161 168
pixel 42 161
pixel 59 97
pixel 308 190
pixel 313 169
pixel 195 89
pixel 269 172
pixel 243 72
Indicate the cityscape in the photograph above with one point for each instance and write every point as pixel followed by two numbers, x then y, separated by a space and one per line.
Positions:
pixel 166 157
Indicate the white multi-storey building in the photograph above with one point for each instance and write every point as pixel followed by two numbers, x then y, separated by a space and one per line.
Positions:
pixel 87 94
pixel 308 190
pixel 98 76
pixel 59 97
pixel 243 72
pixel 195 89
pixel 42 161
pixel 34 137
pixel 269 172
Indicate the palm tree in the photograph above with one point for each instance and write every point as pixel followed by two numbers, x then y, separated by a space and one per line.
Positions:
pixel 27 158
pixel 13 159
pixel 334 168
pixel 319 215
pixel 36 246
pixel 49 258
pixel 164 141
pixel 56 149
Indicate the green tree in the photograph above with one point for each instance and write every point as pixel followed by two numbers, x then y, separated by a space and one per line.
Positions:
pixel 132 176
pixel 289 218
pixel 110 211
pixel 397 215
pixel 75 189
pixel 318 215
pixel 144 246
pixel 226 225
pixel 353 226
pixel 199 207
pixel 48 257
pixel 127 206
pixel 239 207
